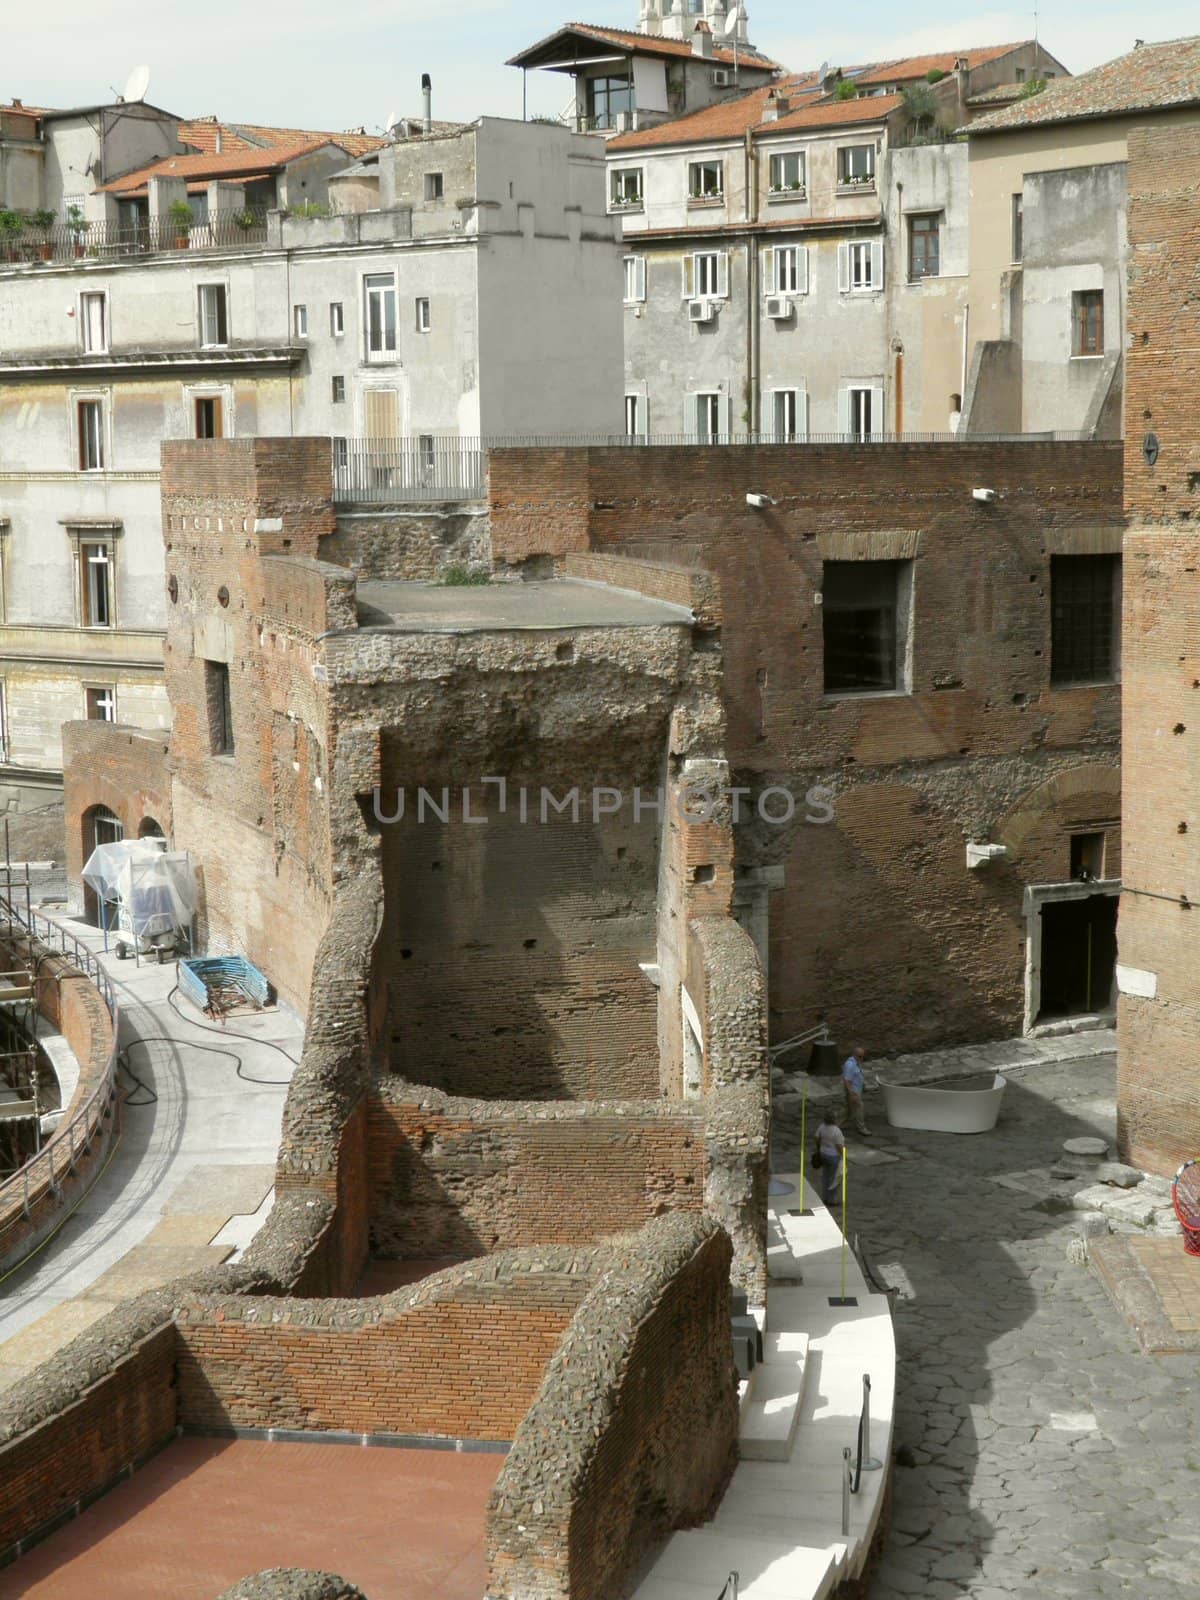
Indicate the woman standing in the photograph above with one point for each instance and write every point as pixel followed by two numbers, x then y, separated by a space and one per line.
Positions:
pixel 830 1143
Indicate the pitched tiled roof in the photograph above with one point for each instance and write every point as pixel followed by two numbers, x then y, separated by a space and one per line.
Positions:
pixel 1002 95
pixel 732 118
pixel 200 134
pixel 1154 77
pixel 908 68
pixel 249 163
pixel 651 44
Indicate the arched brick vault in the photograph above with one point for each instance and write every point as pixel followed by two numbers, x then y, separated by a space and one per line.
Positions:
pixel 1037 830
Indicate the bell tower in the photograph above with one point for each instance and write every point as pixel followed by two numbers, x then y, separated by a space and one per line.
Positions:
pixel 677 19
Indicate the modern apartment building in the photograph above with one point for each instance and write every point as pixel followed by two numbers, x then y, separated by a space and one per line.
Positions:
pixel 481 295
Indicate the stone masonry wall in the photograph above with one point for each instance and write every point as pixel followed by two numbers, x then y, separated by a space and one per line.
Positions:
pixel 634 1431
pixel 1159 1013
pixel 915 775
pixel 415 544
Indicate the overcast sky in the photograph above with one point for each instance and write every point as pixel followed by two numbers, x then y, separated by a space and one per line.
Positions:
pixel 313 64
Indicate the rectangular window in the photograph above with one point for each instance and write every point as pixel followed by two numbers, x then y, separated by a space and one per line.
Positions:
pixel 1018 227
pixel 706 412
pixel 93 323
pixel 635 279
pixel 787 173
pixel 856 165
pixel 785 415
pixel 380 291
pixel 341 454
pixel 426 454
pixel 924 247
pixel 337 318
pixel 633 415
pixel 1087 857
pixel 339 390
pixel 860 278
pixel 220 708
pixel 214 316
pixel 210 417
pixel 607 98
pixel 1087 307
pixel 863 422
pixel 435 185
pixel 300 321
pixel 101 702
pixel 424 315
pixel 706 180
pixel 95 585
pixel 787 270
pixel 627 188
pixel 1085 635
pixel 706 275
pixel 89 418
pixel 863 624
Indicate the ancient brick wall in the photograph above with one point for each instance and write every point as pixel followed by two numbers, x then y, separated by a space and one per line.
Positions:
pixel 416 544
pixel 230 508
pixel 634 1431
pixel 83 1445
pixel 460 1356
pixel 915 775
pixel 1159 1014
pixel 122 769
pixel 461 1178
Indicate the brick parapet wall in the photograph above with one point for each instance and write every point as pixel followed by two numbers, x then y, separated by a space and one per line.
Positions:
pixel 462 1177
pixel 634 1430
pixel 251 484
pixel 484 1331
pixel 74 1154
pixel 414 544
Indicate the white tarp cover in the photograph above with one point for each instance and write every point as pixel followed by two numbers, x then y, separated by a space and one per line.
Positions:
pixel 153 888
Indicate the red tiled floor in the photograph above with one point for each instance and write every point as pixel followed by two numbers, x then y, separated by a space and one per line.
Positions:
pixel 384 1277
pixel 402 1524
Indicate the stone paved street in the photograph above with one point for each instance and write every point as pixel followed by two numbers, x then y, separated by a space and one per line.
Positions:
pixel 1051 1457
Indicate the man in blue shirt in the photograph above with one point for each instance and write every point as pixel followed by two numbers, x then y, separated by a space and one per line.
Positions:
pixel 852 1083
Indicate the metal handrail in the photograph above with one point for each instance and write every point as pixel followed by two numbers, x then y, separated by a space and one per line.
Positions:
pixel 820 1033
pixel 730 1591
pixel 99 1104
pixel 75 241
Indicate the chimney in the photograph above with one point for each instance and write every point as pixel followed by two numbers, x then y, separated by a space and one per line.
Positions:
pixel 218 140
pixel 702 40
pixel 427 91
pixel 778 105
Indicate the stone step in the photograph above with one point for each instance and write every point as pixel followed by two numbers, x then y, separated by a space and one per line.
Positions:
pixel 695 1564
pixel 771 1409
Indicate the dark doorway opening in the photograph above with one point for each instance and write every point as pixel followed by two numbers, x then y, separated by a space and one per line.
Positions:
pixel 1079 956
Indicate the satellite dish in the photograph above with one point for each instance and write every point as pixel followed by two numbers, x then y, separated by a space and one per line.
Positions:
pixel 821 71
pixel 393 117
pixel 734 18
pixel 139 82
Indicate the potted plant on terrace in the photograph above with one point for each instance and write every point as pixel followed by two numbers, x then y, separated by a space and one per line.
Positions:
pixel 12 225
pixel 76 223
pixel 180 213
pixel 45 221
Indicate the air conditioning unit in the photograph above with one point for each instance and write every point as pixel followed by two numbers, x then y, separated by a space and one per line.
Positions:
pixel 779 307
pixel 722 78
pixel 702 310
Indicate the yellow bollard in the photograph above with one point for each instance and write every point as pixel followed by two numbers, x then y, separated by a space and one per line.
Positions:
pixel 804 1210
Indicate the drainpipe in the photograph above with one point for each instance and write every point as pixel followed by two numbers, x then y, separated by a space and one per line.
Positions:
pixel 754 308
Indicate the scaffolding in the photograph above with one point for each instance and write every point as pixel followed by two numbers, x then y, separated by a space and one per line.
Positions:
pixel 20 1087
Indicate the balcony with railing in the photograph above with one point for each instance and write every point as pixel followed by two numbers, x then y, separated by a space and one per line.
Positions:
pixel 26 241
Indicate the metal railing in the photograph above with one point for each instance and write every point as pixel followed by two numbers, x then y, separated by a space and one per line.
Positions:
pixel 108 241
pixel 57 1159
pixel 436 467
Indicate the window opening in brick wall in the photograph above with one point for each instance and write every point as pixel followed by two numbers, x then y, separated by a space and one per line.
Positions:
pixel 1085 599
pixel 1087 857
pixel 220 708
pixel 864 607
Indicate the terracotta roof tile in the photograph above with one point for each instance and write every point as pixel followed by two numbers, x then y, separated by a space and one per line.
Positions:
pixel 732 118
pixel 232 164
pixel 1154 77
pixel 908 68
pixel 201 134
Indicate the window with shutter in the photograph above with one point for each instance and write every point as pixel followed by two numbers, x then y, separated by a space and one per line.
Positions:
pixel 723 275
pixel 768 271
pixel 802 269
pixel 689 277
pixel 92 321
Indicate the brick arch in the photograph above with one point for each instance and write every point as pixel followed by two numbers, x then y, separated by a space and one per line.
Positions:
pixel 1037 827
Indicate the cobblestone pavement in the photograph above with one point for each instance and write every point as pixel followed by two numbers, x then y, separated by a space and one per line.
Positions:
pixel 1048 1456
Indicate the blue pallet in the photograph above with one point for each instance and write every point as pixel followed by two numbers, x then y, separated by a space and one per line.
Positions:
pixel 196 975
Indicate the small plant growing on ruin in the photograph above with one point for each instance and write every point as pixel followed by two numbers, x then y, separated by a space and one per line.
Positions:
pixel 458 577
